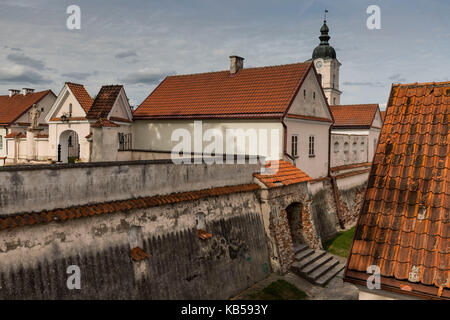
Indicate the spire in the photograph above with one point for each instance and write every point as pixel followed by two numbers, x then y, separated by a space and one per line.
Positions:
pixel 324 37
pixel 324 50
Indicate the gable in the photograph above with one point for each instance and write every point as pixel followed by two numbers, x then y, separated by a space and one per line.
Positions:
pixel 121 108
pixel 310 100
pixel 62 106
pixel 377 121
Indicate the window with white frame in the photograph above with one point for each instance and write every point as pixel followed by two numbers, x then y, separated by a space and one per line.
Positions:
pixel 294 145
pixel 336 147
pixel 311 146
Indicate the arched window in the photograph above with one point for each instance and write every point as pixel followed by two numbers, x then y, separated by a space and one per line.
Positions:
pixel 70 109
pixel 336 147
pixel 354 147
pixel 334 80
pixel 362 146
pixel 304 94
pixel 314 95
pixel 346 147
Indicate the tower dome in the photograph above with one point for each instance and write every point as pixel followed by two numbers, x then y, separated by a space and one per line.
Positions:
pixel 324 50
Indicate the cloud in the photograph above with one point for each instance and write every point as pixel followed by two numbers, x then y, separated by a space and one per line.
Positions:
pixel 397 78
pixel 79 75
pixel 23 60
pixel 21 75
pixel 126 54
pixel 363 84
pixel 145 76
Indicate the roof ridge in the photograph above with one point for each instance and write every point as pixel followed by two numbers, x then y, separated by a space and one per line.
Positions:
pixel 355 104
pixel 253 68
pixel 421 83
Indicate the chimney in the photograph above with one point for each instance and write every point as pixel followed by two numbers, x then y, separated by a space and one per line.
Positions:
pixel 236 64
pixel 13 92
pixel 26 91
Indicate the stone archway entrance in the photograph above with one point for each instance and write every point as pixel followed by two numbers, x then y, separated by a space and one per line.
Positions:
pixel 295 220
pixel 68 147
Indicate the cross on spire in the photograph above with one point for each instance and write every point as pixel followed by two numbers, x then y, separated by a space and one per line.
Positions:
pixel 325 16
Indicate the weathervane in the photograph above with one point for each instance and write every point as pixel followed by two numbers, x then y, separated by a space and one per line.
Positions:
pixel 325 16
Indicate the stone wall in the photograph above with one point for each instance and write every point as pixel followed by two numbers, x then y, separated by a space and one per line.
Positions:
pixel 180 265
pixel 274 203
pixel 44 187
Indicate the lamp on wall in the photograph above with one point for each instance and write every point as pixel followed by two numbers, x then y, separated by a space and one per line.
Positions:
pixel 64 118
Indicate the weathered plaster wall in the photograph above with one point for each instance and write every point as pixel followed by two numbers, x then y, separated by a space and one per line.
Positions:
pixel 36 188
pixel 34 259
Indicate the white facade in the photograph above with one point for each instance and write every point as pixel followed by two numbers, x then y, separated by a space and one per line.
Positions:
pixel 353 146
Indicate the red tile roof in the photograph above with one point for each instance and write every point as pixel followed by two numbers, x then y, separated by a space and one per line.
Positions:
pixel 104 123
pixel 28 219
pixel 281 173
pixel 382 113
pixel 15 135
pixel 81 95
pixel 355 115
pixel 11 108
pixel 104 101
pixel 253 92
pixel 404 226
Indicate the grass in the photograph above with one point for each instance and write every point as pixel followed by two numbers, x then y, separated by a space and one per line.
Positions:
pixel 279 290
pixel 341 244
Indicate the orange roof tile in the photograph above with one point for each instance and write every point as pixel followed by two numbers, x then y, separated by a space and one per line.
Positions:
pixel 355 115
pixel 27 219
pixel 404 225
pixel 104 101
pixel 15 135
pixel 100 123
pixel 11 108
pixel 253 92
pixel 138 254
pixel 81 95
pixel 383 113
pixel 282 173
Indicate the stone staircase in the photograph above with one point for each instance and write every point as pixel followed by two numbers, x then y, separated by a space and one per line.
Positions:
pixel 318 267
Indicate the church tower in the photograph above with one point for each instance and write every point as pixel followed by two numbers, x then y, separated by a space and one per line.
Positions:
pixel 324 58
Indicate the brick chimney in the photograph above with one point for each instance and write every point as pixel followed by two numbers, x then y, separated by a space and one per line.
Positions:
pixel 26 91
pixel 236 64
pixel 13 92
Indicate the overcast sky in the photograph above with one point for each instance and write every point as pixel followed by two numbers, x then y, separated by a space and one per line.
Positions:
pixel 139 42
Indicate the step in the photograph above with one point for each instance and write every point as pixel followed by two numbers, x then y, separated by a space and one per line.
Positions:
pixel 303 254
pixel 309 259
pixel 323 280
pixel 316 264
pixel 300 247
pixel 317 273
